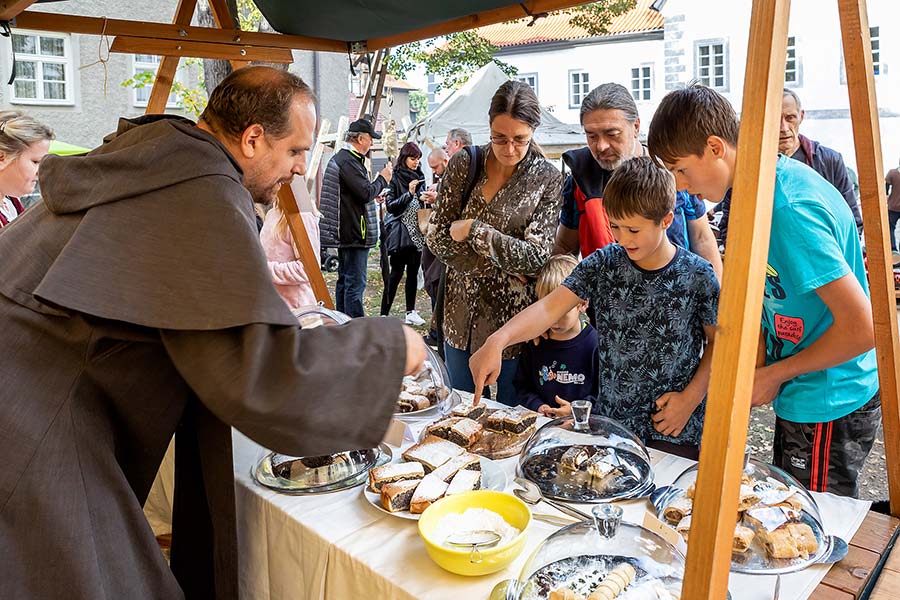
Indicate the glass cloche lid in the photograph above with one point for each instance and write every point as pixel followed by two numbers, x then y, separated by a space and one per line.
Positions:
pixel 427 393
pixel 627 560
pixel 317 315
pixel 586 458
pixel 778 528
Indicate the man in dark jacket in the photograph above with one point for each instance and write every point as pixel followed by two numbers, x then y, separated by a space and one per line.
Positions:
pixel 349 222
pixel 827 162
pixel 136 302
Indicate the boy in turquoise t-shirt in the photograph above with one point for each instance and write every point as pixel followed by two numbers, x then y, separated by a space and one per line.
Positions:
pixel 817 329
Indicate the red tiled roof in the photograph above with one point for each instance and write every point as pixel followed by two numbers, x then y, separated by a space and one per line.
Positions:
pixel 557 27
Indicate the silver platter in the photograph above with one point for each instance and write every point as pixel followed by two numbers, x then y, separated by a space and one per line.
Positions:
pixel 756 560
pixel 319 474
pixel 635 481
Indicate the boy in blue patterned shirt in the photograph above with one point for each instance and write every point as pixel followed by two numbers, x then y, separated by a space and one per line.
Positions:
pixel 656 307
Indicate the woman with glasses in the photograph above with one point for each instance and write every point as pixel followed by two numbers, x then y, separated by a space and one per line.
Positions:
pixel 496 240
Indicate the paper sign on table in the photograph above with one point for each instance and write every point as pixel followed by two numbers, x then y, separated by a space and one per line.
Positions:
pixel 665 532
pixel 397 432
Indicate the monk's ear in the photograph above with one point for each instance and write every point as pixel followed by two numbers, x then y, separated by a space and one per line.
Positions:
pixel 251 140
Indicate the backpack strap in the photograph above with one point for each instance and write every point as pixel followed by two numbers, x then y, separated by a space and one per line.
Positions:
pixel 476 164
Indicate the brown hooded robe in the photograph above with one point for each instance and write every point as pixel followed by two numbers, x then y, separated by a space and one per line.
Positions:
pixel 135 302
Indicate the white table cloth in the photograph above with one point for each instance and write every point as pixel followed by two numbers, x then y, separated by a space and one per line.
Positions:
pixel 337 546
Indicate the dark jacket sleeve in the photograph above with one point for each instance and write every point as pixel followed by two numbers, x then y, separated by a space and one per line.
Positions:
pixel 355 184
pixel 297 391
pixel 838 177
pixel 397 204
pixel 523 384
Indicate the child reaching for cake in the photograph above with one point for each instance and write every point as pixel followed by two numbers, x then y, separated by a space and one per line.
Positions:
pixel 562 367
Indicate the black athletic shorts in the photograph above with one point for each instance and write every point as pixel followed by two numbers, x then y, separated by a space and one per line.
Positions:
pixel 828 457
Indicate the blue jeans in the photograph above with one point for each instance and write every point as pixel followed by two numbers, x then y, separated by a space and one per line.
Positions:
pixel 893 217
pixel 461 375
pixel 351 282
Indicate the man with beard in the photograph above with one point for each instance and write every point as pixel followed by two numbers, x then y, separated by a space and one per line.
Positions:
pixel 349 222
pixel 611 125
pixel 135 303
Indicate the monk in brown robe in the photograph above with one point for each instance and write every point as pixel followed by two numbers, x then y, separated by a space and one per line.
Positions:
pixel 135 304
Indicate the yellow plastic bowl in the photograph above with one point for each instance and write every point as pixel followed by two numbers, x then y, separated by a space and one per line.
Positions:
pixel 459 561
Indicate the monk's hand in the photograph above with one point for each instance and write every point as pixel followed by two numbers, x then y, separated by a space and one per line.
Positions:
pixel 673 411
pixel 459 230
pixel 415 351
pixel 485 365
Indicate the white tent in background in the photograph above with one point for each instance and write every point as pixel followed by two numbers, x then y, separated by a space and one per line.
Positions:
pixel 468 108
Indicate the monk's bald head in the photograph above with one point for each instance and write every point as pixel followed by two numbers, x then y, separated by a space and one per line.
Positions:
pixel 255 95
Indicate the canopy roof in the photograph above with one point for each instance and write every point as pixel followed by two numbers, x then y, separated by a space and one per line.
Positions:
pixel 468 108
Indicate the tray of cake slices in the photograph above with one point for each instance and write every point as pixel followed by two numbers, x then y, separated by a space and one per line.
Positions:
pixel 494 433
pixel 778 528
pixel 319 474
pixel 427 393
pixel 427 472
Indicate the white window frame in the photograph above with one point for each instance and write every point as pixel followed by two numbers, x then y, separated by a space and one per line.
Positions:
pixel 39 59
pixel 791 58
pixel 638 92
pixel 875 37
pixel 138 66
pixel 533 77
pixel 584 82
pixel 709 79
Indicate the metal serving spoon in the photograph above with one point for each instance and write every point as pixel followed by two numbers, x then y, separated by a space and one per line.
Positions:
pixel 481 538
pixel 531 494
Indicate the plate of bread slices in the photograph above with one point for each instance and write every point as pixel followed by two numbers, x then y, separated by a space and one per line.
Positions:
pixel 489 432
pixel 427 472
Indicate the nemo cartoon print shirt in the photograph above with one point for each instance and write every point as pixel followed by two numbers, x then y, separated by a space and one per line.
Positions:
pixel 813 242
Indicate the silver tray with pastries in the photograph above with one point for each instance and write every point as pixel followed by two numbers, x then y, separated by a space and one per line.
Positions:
pixel 587 458
pixel 319 474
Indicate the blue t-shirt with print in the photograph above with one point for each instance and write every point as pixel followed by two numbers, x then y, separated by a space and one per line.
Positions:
pixel 650 332
pixel 813 242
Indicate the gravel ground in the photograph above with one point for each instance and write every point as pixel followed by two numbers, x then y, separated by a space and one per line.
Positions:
pixel 873 481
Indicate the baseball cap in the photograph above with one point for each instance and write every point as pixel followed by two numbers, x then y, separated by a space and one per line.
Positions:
pixel 364 126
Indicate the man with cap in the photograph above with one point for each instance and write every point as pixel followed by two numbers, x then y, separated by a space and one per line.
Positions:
pixel 349 222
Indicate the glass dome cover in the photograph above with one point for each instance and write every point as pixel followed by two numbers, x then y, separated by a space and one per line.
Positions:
pixel 586 458
pixel 428 393
pixel 779 527
pixel 317 315
pixel 581 556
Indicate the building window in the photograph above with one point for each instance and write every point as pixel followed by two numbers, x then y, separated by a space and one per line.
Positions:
pixel 711 64
pixel 876 49
pixel 791 74
pixel 642 82
pixel 531 79
pixel 579 86
pixel 43 69
pixel 357 81
pixel 149 63
pixel 432 92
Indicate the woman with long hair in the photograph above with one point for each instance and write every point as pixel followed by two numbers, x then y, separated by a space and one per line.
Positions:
pixel 285 267
pixel 23 143
pixel 496 233
pixel 402 238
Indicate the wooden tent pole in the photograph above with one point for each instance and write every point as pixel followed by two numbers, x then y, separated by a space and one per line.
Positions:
pixel 165 74
pixel 867 140
pixel 308 256
pixel 740 306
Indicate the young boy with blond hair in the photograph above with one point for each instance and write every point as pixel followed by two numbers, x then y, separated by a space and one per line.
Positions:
pixel 656 309
pixel 562 366
pixel 817 332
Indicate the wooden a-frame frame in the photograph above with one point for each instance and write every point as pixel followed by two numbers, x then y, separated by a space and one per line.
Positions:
pixel 734 354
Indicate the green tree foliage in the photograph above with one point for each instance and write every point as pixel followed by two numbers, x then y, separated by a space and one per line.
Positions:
pixel 454 57
pixel 418 101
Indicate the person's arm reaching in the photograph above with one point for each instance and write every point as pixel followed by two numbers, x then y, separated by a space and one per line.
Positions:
pixel 527 325
pixel 300 392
